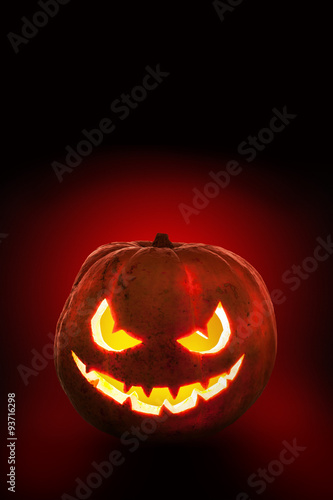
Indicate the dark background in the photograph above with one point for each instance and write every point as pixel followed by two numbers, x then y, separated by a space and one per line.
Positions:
pixel 225 79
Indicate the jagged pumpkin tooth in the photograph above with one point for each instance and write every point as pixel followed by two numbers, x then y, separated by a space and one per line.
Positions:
pixel 174 391
pixel 147 390
pixel 127 404
pixel 201 402
pixel 127 387
pixel 205 383
pixel 165 414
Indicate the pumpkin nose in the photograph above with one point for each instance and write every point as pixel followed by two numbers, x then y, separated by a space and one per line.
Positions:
pixel 160 362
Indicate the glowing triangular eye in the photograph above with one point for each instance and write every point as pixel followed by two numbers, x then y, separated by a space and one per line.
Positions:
pixel 102 324
pixel 218 333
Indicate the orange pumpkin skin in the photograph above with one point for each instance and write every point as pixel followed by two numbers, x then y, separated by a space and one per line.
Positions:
pixel 162 292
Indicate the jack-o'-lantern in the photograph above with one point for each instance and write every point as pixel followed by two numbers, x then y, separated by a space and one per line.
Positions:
pixel 166 331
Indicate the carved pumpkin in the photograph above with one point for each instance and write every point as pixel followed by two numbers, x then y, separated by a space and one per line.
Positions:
pixel 166 331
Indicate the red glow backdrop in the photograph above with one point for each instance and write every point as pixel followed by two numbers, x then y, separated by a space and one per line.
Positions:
pixel 132 195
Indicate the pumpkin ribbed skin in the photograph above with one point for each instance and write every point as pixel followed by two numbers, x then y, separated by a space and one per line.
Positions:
pixel 161 292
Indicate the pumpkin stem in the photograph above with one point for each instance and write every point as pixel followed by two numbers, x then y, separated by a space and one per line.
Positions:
pixel 162 240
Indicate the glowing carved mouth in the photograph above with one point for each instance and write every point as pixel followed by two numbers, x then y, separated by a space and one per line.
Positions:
pixel 160 396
